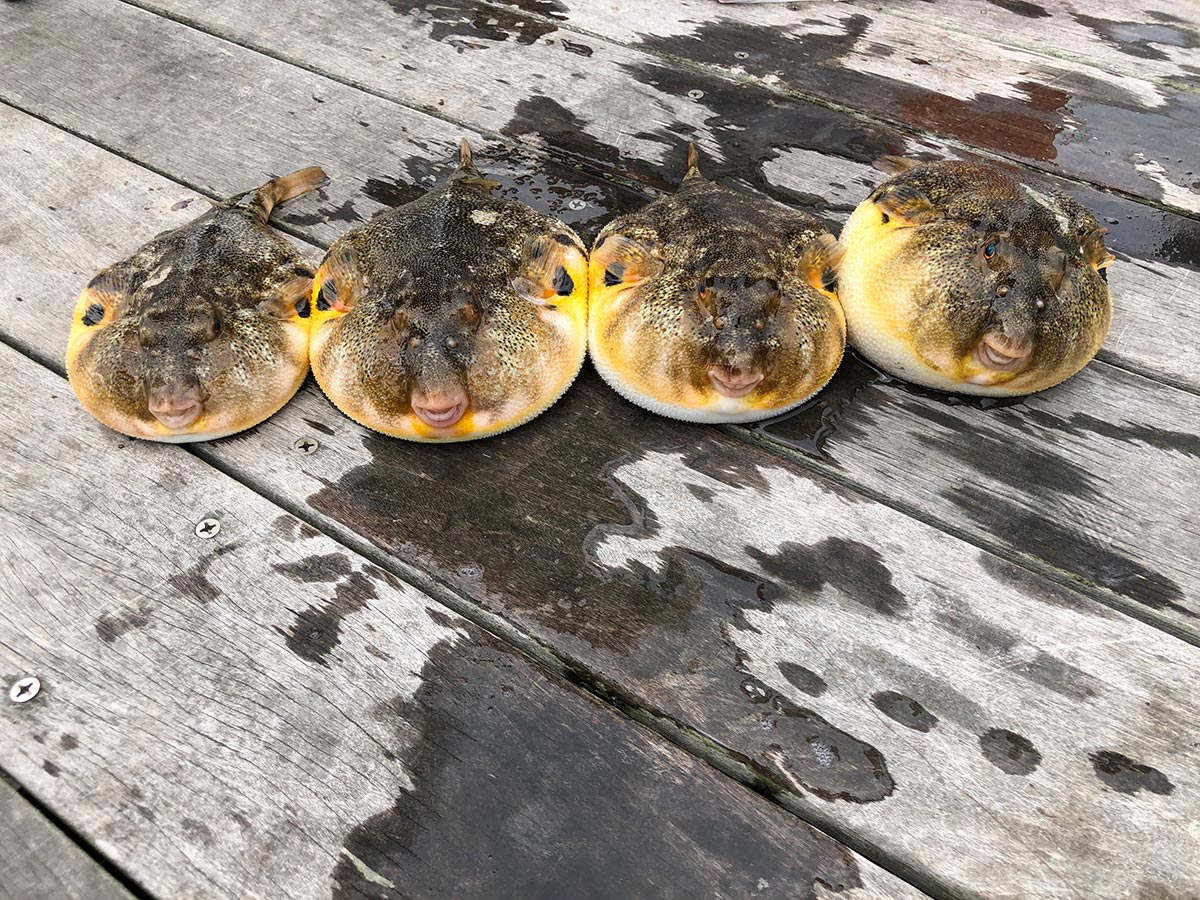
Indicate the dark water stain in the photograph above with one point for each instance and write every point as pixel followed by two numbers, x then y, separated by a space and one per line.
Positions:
pixel 993 641
pixel 452 22
pixel 392 191
pixel 68 742
pixel 1041 589
pixel 317 629
pixel 1080 424
pixel 324 567
pixel 111 627
pixel 905 710
pixel 1067 547
pixel 803 679
pixel 292 529
pixel 317 425
pixel 193 581
pixel 197 832
pixel 343 213
pixel 1138 38
pixel 1022 8
pixel 854 568
pixel 562 795
pixel 1122 774
pixel 50 768
pixel 517 526
pixel 1011 753
pixel 703 494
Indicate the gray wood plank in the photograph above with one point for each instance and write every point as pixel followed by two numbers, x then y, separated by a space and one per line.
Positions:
pixel 39 862
pixel 266 714
pixel 622 110
pixel 1112 543
pixel 1117 129
pixel 700 631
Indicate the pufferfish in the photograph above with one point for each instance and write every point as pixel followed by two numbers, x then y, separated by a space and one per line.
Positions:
pixel 202 332
pixel 714 306
pixel 958 277
pixel 453 317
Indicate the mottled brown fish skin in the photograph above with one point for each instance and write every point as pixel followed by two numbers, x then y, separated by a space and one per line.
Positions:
pixel 712 279
pixel 947 257
pixel 459 296
pixel 207 311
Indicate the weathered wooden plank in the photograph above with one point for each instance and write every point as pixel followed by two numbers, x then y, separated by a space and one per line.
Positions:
pixel 679 636
pixel 1171 589
pixel 623 111
pixel 965 717
pixel 1055 113
pixel 265 714
pixel 39 862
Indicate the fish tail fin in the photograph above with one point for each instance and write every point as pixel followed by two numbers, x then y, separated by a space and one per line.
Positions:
pixel 693 163
pixel 285 188
pixel 466 173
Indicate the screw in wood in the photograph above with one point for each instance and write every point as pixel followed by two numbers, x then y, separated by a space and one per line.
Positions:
pixel 208 528
pixel 575 203
pixel 695 94
pixel 306 445
pixel 741 54
pixel 24 689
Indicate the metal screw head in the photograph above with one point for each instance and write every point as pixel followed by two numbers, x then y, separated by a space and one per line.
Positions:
pixel 695 95
pixel 575 203
pixel 741 54
pixel 306 445
pixel 208 528
pixel 24 689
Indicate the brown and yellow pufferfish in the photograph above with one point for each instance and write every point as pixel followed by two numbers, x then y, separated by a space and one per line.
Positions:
pixel 201 333
pixel 958 277
pixel 714 306
pixel 457 316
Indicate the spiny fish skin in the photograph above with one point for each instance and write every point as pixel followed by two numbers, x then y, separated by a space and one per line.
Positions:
pixel 454 317
pixel 714 306
pixel 960 278
pixel 200 333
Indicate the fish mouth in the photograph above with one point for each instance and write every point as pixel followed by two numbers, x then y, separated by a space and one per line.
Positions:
pixel 179 418
pixel 441 411
pixel 733 383
pixel 997 354
pixel 175 406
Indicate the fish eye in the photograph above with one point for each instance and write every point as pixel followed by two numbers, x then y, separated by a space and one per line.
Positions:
pixel 94 314
pixel 216 325
pixel 327 295
pixel 471 313
pixel 989 250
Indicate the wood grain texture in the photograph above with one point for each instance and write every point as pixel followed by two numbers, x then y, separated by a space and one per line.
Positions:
pixel 1091 530
pixel 1116 129
pixel 966 718
pixel 266 714
pixel 623 111
pixel 39 862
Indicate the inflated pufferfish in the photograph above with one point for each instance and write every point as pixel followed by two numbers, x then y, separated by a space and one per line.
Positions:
pixel 454 317
pixel 714 306
pixel 960 278
pixel 201 332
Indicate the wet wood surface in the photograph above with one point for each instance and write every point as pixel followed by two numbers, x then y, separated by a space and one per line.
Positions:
pixel 265 713
pixel 1042 498
pixel 39 862
pixel 900 616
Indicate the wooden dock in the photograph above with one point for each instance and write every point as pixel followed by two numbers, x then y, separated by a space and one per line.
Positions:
pixel 896 645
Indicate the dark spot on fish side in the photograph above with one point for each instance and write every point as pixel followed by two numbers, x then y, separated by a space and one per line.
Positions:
pixel 93 315
pixel 803 679
pixel 494 731
pixel 317 629
pixel 611 278
pixel 1009 752
pixel 326 567
pixel 1122 774
pixel 563 285
pixel 905 710
pixel 317 425
pixel 854 568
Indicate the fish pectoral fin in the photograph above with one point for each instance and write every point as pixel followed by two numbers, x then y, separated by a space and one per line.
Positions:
pixel 903 206
pixel 1093 249
pixel 292 300
pixel 626 261
pixel 820 262
pixel 337 283
pixel 546 276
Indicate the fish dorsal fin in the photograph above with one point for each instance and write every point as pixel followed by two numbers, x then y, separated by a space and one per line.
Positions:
pixel 468 174
pixel 1094 251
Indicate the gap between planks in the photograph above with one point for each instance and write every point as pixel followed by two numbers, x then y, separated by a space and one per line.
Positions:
pixel 687 64
pixel 1029 562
